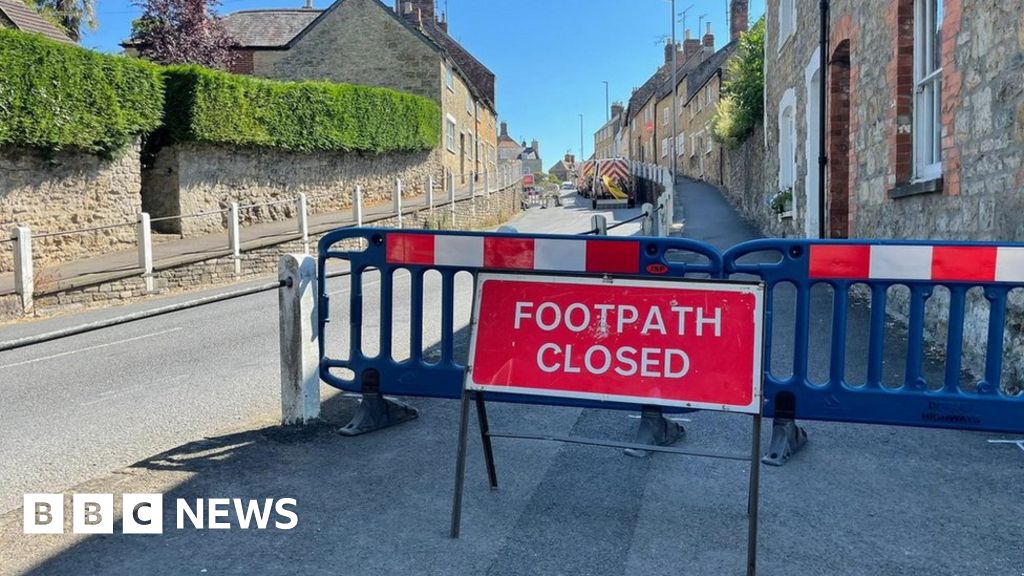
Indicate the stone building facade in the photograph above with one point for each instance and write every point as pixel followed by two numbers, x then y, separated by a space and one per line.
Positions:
pixel 366 42
pixel 917 147
pixel 606 139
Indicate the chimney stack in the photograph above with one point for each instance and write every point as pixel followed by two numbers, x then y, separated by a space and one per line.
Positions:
pixel 668 51
pixel 309 5
pixel 690 46
pixel 504 129
pixel 617 109
pixel 738 14
pixel 418 10
pixel 536 147
pixel 709 38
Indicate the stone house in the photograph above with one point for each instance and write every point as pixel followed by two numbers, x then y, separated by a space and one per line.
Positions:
pixel 508 149
pixel 924 116
pixel 606 139
pixel 530 158
pixel 700 155
pixel 366 42
pixel 15 14
pixel 694 52
pixel 639 126
pixel 565 169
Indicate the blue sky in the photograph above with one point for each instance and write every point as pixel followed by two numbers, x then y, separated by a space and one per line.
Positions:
pixel 550 56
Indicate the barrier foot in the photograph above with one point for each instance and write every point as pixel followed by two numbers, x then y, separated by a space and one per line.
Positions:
pixel 787 440
pixel 655 430
pixel 376 412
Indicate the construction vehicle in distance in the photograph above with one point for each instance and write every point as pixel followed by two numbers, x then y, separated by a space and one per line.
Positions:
pixel 613 188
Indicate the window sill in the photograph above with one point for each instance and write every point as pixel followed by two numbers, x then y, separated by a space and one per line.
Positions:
pixel 933 186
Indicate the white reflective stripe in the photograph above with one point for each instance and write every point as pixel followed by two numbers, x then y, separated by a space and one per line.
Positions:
pixel 459 251
pixel 1010 264
pixel 567 255
pixel 901 262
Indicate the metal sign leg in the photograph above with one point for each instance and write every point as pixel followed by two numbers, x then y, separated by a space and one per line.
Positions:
pixel 485 438
pixel 655 430
pixel 753 495
pixel 460 466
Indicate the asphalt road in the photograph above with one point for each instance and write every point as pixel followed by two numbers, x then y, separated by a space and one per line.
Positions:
pixel 81 407
pixel 859 500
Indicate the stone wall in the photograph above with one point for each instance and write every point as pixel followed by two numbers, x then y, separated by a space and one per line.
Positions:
pixel 195 178
pixel 746 186
pixel 68 191
pixel 258 260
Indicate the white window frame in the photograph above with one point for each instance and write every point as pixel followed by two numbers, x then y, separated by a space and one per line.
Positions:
pixel 665 116
pixel 927 115
pixel 787 140
pixel 681 144
pixel 470 108
pixel 693 144
pixel 449 77
pixel 708 141
pixel 787 21
pixel 451 127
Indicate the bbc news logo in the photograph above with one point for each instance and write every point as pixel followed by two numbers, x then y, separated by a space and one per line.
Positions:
pixel 144 513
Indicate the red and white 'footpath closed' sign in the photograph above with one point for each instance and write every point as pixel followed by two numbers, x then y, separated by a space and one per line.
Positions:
pixel 692 344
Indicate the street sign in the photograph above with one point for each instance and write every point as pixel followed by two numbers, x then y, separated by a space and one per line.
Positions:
pixel 528 180
pixel 663 342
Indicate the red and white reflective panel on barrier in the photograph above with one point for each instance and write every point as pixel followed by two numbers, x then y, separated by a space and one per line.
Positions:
pixel 907 262
pixel 671 343
pixel 515 253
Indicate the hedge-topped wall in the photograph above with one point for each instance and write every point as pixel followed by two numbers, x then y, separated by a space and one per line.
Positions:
pixel 211 107
pixel 55 96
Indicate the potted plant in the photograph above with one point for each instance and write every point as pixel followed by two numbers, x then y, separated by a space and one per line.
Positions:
pixel 782 202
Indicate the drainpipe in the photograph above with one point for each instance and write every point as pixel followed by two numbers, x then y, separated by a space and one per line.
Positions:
pixel 822 151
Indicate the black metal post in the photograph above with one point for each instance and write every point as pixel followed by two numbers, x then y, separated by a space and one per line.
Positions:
pixel 822 151
pixel 460 466
pixel 485 438
pixel 753 495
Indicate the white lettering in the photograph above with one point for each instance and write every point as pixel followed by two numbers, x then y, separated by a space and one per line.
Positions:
pixel 649 362
pixel 218 508
pixel 654 321
pixel 603 309
pixel 569 369
pixel 681 315
pixel 195 516
pixel 521 314
pixel 252 511
pixel 540 358
pixel 540 316
pixel 568 317
pixel 669 355
pixel 630 361
pixel 285 512
pixel 627 315
pixel 716 321
pixel 589 356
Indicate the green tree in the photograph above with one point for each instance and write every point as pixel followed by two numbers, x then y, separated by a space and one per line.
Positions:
pixel 71 15
pixel 742 103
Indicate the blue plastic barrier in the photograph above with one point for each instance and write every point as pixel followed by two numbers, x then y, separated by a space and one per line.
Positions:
pixel 877 265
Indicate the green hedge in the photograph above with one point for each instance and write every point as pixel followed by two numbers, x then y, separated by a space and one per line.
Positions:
pixel 55 96
pixel 219 108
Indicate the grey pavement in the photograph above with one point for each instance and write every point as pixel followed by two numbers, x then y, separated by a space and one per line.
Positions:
pixel 869 500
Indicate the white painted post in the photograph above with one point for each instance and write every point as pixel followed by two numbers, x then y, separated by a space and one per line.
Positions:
pixel 397 200
pixel 430 192
pixel 144 238
pixel 599 223
pixel 24 281
pixel 300 210
pixel 357 207
pixel 472 193
pixel 234 237
pixel 647 225
pixel 299 337
pixel 451 195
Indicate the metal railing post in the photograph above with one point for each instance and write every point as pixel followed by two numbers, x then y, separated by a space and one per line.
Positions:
pixel 430 192
pixel 234 237
pixel 357 206
pixel 301 211
pixel 600 224
pixel 648 224
pixel 299 337
pixel 24 280
pixel 397 200
pixel 144 238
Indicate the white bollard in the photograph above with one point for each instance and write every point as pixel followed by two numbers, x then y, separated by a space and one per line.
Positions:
pixel 301 211
pixel 648 224
pixel 24 280
pixel 451 195
pixel 357 207
pixel 472 183
pixel 397 200
pixel 299 337
pixel 234 237
pixel 600 224
pixel 144 238
pixel 430 192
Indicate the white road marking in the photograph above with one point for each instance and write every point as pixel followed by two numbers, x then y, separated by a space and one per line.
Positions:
pixel 88 348
pixel 1018 443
